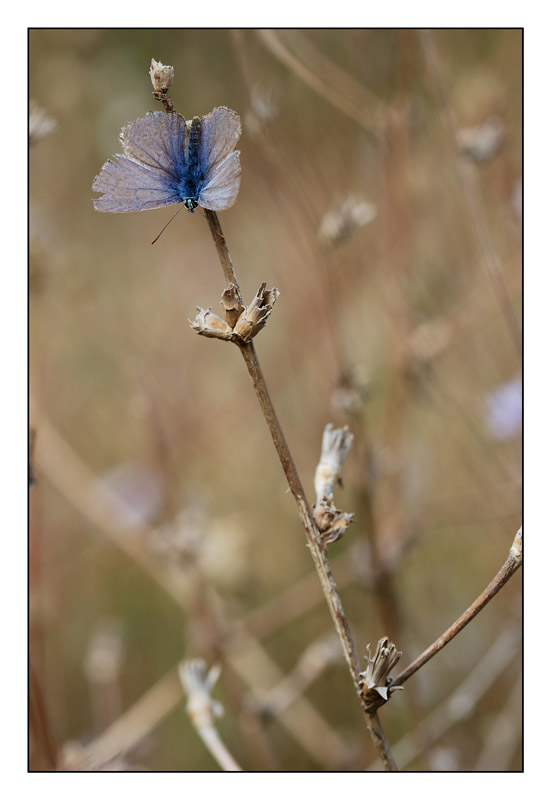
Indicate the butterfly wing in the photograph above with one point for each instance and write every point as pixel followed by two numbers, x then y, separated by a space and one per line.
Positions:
pixel 222 187
pixel 156 141
pixel 129 186
pixel 146 176
pixel 220 131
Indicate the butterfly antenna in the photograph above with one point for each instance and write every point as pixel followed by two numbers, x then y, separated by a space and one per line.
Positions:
pixel 156 239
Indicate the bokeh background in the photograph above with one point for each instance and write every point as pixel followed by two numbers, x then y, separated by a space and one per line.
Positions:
pixel 381 193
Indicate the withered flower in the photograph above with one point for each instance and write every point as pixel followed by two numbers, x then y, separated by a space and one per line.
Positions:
pixel 374 680
pixel 161 76
pixel 254 317
pixel 335 446
pixel 331 523
pixel 232 305
pixel 241 324
pixel 209 324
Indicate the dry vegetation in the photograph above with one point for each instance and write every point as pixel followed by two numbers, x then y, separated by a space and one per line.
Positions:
pixel 161 527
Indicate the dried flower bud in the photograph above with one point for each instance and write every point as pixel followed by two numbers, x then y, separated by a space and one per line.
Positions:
pixel 339 527
pixel 198 685
pixel 265 106
pixel 161 76
pixel 254 317
pixel 331 523
pixel 482 141
pixel 232 305
pixel 350 392
pixel 206 323
pixel 374 680
pixel 242 323
pixel 335 446
pixel 341 222
pixel 40 122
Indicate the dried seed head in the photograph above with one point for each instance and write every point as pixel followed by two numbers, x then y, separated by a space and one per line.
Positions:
pixel 254 317
pixel 161 76
pixel 374 680
pixel 206 323
pixel 232 305
pixel 331 523
pixel 241 324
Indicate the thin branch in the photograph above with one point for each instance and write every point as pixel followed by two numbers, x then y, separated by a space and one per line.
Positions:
pixel 381 744
pixel 317 549
pixel 203 710
pixel 221 248
pixel 315 543
pixel 510 566
pixel 462 702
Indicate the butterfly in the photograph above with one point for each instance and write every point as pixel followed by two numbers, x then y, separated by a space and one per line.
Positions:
pixel 167 160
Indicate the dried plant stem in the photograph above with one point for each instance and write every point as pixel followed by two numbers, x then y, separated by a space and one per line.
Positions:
pixel 221 248
pixel 218 750
pixel 510 566
pixel 315 544
pixel 381 744
pixel 317 548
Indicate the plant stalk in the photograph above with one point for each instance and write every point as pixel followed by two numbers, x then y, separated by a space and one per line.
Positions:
pixel 315 543
pixel 513 562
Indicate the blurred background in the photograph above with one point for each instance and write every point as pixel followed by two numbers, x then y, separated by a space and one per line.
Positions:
pixel 381 194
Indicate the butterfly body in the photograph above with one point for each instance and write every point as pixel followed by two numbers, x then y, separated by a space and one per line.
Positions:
pixel 167 160
pixel 192 183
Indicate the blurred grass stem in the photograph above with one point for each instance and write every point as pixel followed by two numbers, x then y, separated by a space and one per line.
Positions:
pixel 61 467
pixel 471 192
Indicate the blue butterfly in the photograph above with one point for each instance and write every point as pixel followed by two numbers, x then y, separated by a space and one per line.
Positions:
pixel 168 160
